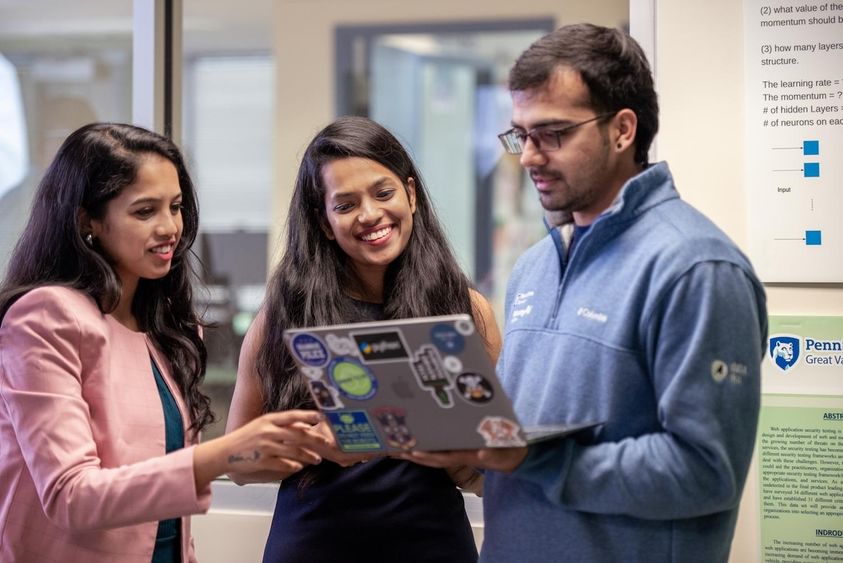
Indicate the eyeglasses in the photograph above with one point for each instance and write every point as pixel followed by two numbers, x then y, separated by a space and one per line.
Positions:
pixel 544 138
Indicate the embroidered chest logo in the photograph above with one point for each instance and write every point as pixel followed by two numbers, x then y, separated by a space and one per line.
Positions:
pixel 591 315
pixel 520 306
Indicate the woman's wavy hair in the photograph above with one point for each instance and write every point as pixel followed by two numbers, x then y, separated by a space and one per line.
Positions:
pixel 310 285
pixel 91 168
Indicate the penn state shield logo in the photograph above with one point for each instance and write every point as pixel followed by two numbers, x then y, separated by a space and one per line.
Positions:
pixel 785 351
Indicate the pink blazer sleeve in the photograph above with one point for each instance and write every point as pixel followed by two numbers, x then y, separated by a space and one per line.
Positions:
pixel 49 346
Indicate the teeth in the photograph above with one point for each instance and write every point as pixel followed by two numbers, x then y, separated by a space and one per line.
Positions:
pixel 163 249
pixel 377 234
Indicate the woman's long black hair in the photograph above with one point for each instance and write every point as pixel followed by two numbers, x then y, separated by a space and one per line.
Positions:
pixel 310 284
pixel 92 167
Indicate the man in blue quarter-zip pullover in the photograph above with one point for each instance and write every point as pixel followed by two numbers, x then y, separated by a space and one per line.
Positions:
pixel 636 310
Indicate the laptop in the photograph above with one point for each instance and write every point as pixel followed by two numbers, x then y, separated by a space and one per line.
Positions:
pixel 422 384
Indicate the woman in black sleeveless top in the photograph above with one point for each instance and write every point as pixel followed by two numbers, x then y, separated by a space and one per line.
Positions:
pixel 363 243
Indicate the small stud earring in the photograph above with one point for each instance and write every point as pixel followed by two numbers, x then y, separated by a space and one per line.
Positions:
pixel 89 240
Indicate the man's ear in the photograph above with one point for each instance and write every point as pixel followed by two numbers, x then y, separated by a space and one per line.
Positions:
pixel 626 125
pixel 411 193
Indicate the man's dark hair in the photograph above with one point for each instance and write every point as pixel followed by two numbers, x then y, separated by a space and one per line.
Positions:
pixel 612 65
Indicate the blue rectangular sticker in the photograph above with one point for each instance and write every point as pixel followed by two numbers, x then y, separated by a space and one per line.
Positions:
pixel 354 431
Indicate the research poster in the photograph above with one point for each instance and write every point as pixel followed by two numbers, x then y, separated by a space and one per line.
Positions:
pixel 793 54
pixel 800 441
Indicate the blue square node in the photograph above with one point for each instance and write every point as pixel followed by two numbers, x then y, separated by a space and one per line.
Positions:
pixel 810 147
pixel 813 238
pixel 812 169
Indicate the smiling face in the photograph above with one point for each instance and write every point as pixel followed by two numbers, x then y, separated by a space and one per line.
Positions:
pixel 369 212
pixel 581 176
pixel 142 226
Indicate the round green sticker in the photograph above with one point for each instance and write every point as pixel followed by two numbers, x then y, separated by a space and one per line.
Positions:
pixel 352 379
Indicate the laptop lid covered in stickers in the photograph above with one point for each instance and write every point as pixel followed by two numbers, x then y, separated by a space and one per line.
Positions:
pixel 397 385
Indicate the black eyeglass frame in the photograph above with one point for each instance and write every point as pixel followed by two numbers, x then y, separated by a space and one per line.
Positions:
pixel 512 139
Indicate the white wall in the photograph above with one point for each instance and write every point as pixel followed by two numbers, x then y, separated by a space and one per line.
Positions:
pixel 700 83
pixel 699 75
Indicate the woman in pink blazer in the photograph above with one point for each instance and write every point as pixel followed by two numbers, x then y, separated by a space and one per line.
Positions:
pixel 101 360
